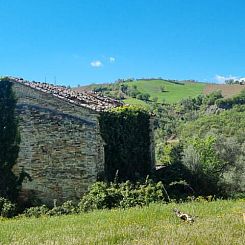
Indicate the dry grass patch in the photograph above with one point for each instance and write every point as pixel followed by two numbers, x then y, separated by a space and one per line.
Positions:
pixel 226 89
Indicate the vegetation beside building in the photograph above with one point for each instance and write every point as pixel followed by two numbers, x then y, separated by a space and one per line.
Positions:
pixel 9 142
pixel 126 132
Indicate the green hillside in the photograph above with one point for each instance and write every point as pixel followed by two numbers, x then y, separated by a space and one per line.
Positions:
pixel 174 92
pixel 160 90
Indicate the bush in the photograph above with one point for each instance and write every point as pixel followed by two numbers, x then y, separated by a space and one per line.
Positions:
pixel 162 89
pixel 228 123
pixel 216 165
pixel 100 196
pixel 66 208
pixel 7 209
pixel 141 194
pixel 132 91
pixel 211 98
pixel 168 153
pixel 143 96
pixel 110 195
pixel 36 211
pixel 231 102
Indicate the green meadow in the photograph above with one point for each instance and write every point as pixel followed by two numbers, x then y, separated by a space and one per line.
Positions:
pixel 173 92
pixel 218 222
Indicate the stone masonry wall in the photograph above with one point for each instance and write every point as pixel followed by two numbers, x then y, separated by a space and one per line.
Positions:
pixel 61 147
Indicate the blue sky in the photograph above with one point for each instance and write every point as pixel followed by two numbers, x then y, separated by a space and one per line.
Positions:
pixel 85 41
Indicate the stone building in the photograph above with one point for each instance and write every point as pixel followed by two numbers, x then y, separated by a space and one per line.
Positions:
pixel 61 147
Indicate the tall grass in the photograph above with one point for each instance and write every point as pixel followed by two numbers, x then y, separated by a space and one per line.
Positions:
pixel 218 222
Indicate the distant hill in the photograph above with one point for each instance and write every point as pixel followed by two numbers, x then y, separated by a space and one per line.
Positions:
pixel 171 91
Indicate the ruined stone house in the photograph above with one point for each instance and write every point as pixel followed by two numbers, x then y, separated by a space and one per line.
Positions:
pixel 61 146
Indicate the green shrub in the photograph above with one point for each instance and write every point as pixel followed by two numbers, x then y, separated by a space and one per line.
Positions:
pixel 124 195
pixel 201 158
pixel 216 165
pixel 7 209
pixel 228 123
pixel 211 98
pixel 100 196
pixel 36 211
pixel 141 194
pixel 143 96
pixel 231 102
pixel 107 196
pixel 66 208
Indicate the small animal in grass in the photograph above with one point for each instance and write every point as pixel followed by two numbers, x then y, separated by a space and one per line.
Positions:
pixel 184 216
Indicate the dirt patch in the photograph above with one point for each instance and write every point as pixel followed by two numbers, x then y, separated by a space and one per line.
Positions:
pixel 226 89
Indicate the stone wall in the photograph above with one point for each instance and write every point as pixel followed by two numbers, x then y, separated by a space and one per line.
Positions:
pixel 61 147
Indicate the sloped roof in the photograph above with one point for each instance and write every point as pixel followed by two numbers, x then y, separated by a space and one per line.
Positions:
pixel 91 100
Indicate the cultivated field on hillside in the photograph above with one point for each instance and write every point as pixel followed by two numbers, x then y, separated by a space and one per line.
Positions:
pixel 219 222
pixel 226 89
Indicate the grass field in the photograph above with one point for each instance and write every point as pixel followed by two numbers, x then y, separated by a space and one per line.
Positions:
pixel 173 92
pixel 218 222
pixel 134 101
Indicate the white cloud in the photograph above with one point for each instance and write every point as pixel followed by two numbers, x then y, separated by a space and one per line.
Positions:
pixel 112 59
pixel 96 63
pixel 222 79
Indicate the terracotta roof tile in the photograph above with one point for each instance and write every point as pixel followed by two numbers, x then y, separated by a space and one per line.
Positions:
pixel 86 99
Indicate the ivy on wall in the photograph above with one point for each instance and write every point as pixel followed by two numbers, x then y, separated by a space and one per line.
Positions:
pixel 126 132
pixel 9 141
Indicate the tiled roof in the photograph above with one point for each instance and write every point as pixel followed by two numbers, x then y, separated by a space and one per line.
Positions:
pixel 91 100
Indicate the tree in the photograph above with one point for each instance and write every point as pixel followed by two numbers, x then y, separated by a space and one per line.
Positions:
pixel 146 96
pixel 162 89
pixel 9 141
pixel 143 96
pixel 229 81
pixel 212 97
pixel 124 88
pixel 155 99
pixel 201 158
